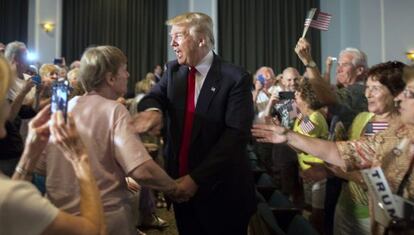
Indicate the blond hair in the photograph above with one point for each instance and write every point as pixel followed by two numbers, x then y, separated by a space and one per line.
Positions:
pixel 5 77
pixel 145 85
pixel 46 69
pixel 96 62
pixel 199 24
pixel 73 74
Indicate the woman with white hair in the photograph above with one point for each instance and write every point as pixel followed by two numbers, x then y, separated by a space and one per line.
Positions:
pixel 22 209
pixel 114 149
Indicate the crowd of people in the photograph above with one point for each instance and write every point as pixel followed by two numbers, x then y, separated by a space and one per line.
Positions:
pixel 182 139
pixel 358 123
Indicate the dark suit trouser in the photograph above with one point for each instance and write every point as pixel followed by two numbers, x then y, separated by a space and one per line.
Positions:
pixel 192 219
pixel 332 191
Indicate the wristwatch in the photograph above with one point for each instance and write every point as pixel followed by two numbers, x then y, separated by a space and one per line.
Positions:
pixel 311 64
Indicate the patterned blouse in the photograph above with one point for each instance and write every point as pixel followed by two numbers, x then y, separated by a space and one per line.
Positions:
pixel 383 149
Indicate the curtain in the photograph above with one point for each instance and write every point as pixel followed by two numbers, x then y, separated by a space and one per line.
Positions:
pixel 255 33
pixel 137 27
pixel 13 20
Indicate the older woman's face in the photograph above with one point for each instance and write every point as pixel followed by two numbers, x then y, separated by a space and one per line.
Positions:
pixel 407 103
pixel 380 99
pixel 300 103
pixel 121 80
pixel 50 77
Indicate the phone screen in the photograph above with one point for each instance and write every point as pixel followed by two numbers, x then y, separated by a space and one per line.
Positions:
pixel 58 61
pixel 60 96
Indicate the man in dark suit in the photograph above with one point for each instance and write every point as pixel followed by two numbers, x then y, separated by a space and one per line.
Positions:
pixel 205 105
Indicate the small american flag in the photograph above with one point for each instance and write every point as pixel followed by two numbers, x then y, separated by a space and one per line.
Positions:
pixel 305 124
pixel 375 127
pixel 320 21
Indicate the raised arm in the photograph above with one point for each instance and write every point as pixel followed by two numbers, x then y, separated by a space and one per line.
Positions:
pixel 18 101
pixel 328 67
pixel 37 138
pixel 303 50
pixel 325 150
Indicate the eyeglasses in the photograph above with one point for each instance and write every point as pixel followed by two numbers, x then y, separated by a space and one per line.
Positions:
pixel 408 94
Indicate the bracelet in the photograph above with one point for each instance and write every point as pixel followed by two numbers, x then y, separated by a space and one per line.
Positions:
pixel 21 171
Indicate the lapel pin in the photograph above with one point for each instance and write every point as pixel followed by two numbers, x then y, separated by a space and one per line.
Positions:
pixel 213 89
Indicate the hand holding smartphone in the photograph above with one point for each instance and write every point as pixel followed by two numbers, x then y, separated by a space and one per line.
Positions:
pixel 36 80
pixel 60 96
pixel 261 79
pixel 286 95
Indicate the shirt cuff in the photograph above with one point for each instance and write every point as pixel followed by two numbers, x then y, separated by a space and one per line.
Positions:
pixel 153 109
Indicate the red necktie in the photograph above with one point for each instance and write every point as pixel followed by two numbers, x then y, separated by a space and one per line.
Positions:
pixel 188 123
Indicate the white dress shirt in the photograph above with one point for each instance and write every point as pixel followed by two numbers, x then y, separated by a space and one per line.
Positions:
pixel 202 69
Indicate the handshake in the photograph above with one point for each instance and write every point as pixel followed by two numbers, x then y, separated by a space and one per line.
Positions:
pixel 184 189
pixel 181 191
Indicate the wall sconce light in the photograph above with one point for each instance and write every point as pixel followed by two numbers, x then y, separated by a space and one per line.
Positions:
pixel 48 26
pixel 410 55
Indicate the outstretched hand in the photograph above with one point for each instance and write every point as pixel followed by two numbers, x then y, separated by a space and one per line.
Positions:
pixel 186 189
pixel 269 133
pixel 148 122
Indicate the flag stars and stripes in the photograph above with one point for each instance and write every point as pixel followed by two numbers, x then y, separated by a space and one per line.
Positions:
pixel 320 21
pixel 374 127
pixel 305 123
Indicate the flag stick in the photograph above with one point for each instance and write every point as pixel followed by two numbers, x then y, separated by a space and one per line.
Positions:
pixel 305 30
pixel 311 14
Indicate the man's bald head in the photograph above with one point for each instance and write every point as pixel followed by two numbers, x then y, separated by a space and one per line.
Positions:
pixel 289 76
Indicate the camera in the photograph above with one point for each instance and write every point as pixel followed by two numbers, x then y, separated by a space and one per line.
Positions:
pixel 58 61
pixel 60 96
pixel 286 95
pixel 36 80
pixel 261 79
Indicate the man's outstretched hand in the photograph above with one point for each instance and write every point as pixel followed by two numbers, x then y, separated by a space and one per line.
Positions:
pixel 148 122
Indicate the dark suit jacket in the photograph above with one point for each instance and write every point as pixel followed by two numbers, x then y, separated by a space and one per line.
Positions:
pixel 221 129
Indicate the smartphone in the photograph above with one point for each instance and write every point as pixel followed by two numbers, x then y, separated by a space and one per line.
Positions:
pixel 36 80
pixel 58 61
pixel 286 95
pixel 261 79
pixel 60 96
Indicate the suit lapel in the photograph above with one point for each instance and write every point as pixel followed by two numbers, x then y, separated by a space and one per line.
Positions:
pixel 210 88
